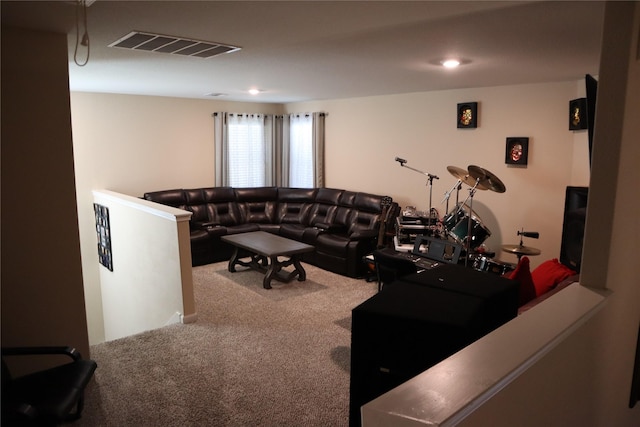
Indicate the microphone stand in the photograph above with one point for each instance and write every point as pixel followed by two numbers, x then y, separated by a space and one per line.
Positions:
pixel 430 182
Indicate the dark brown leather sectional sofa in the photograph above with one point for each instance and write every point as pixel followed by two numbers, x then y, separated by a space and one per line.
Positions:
pixel 342 225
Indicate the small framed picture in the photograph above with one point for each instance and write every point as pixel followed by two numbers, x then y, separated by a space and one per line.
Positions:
pixel 578 114
pixel 517 151
pixel 467 115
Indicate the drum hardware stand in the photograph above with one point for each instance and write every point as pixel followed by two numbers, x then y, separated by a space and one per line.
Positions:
pixel 520 250
pixel 457 187
pixel 532 234
pixel 430 184
pixel 472 192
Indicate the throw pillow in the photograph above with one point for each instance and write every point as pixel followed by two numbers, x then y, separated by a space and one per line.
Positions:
pixel 522 274
pixel 548 274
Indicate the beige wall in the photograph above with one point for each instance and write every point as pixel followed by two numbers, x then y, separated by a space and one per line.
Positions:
pixel 42 293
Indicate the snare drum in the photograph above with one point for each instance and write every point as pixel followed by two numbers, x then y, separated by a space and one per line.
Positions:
pixel 483 263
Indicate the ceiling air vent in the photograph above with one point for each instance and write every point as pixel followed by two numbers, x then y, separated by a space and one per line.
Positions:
pixel 137 40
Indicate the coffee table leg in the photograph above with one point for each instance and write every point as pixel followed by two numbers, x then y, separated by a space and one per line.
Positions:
pixel 233 260
pixel 302 275
pixel 274 267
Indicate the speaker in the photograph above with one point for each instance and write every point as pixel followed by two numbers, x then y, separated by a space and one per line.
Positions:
pixel 575 215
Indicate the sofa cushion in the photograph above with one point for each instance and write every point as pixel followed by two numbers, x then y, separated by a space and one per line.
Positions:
pixel 368 202
pixel 294 205
pixel 329 196
pixel 333 244
pixel 174 198
pixel 548 274
pixel 257 205
pixel 293 231
pixel 219 194
pixel 242 228
pixel 362 221
pixel 220 205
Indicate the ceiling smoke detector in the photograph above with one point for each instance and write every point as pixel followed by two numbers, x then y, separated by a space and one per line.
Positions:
pixel 150 42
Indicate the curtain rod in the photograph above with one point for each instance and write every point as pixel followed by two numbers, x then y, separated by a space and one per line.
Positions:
pixel 322 114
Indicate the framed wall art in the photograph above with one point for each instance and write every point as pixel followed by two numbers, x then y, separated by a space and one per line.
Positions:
pixel 517 151
pixel 103 230
pixel 578 119
pixel 467 115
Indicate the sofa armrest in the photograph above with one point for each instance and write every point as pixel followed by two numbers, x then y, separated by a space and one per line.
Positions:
pixel 205 225
pixel 331 228
pixel 363 235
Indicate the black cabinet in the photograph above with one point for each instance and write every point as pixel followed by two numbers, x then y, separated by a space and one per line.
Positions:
pixel 418 321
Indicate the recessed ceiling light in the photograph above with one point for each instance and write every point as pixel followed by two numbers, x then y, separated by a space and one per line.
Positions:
pixel 450 63
pixel 254 91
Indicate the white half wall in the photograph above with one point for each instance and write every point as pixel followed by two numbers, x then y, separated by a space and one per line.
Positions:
pixel 151 283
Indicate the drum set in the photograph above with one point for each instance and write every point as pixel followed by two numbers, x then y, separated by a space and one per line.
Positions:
pixel 464 226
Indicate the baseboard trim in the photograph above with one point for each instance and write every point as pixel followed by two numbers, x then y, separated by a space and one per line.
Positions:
pixel 189 318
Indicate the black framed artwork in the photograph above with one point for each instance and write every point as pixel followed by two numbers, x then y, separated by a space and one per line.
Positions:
pixel 103 230
pixel 578 119
pixel 517 151
pixel 467 115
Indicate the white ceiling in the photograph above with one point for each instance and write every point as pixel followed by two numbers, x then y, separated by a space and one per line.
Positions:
pixel 310 50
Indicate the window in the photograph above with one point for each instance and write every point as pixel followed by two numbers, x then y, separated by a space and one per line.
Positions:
pixel 247 153
pixel 244 146
pixel 254 150
pixel 301 151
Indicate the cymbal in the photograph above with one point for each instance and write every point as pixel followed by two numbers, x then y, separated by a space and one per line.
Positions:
pixel 463 176
pixel 520 250
pixel 487 179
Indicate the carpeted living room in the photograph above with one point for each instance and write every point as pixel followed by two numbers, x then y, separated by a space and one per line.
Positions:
pixel 177 344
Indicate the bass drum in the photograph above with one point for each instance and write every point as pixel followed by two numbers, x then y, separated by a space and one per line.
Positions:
pixel 479 232
pixel 483 263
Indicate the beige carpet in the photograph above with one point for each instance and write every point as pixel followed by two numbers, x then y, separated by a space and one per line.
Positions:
pixel 255 357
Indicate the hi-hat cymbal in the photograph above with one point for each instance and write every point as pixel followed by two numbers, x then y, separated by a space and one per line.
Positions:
pixel 520 250
pixel 463 176
pixel 487 179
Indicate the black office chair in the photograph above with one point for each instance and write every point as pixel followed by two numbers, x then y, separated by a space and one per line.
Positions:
pixel 45 397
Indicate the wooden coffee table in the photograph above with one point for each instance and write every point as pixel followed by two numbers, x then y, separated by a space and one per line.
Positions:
pixel 264 249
